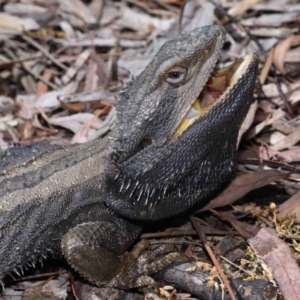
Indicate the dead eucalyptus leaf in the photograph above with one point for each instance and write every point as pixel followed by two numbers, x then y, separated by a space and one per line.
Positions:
pixel 279 262
pixel 290 207
pixel 240 7
pixel 289 140
pixel 243 184
pixel 246 230
pixel 248 121
pixel 281 49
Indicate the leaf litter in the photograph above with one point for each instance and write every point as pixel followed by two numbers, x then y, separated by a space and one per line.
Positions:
pixel 62 63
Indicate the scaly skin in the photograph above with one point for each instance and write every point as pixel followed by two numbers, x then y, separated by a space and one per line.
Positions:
pixel 92 200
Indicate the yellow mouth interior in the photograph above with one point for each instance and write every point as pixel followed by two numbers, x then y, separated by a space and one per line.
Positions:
pixel 215 87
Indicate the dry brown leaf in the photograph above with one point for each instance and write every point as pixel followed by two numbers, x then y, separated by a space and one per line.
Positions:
pixel 102 70
pixel 29 104
pixel 196 14
pixel 105 96
pixel 141 22
pixel 246 230
pixel 243 184
pixel 279 261
pixel 289 140
pixel 68 30
pixel 96 8
pixel 290 207
pixel 292 155
pixel 81 106
pixel 271 20
pixel 248 121
pixel 271 89
pixel 85 41
pixel 292 55
pixel 276 5
pixel 6 103
pixel 91 79
pixel 26 104
pixel 41 86
pixel 24 9
pixel 282 126
pixel 266 68
pixel 240 7
pixel 86 130
pixel 281 49
pixel 276 114
pixel 295 96
pixel 265 152
pixel 17 24
pixel 26 130
pixel 77 13
pixel 281 32
pixel 272 137
pixel 80 61
pixel 75 122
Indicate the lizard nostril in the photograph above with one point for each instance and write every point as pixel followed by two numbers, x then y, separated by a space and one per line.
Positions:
pixel 145 142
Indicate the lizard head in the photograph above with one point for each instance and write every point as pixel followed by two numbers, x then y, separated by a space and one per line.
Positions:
pixel 177 127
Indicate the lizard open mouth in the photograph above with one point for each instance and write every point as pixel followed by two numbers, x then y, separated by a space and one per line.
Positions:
pixel 215 87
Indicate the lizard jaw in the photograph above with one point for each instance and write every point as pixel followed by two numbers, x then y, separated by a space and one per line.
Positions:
pixel 217 84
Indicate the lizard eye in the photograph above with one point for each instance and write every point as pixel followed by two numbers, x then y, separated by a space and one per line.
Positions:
pixel 176 75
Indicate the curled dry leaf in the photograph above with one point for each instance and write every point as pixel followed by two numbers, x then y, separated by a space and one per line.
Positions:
pixel 279 262
pixel 281 49
pixel 243 184
pixel 266 68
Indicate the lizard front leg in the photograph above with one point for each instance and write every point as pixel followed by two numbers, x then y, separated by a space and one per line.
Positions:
pixel 86 248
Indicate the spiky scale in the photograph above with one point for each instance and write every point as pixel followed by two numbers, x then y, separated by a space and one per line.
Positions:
pixel 128 185
pixel 16 271
pixel 140 195
pixel 2 285
pixel 122 185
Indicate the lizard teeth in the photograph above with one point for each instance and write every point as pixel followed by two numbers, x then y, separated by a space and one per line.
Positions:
pixel 192 113
pixel 237 69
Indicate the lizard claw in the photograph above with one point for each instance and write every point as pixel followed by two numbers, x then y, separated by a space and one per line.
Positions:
pixel 141 262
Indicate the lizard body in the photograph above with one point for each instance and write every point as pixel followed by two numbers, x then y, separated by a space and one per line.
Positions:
pixel 173 146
